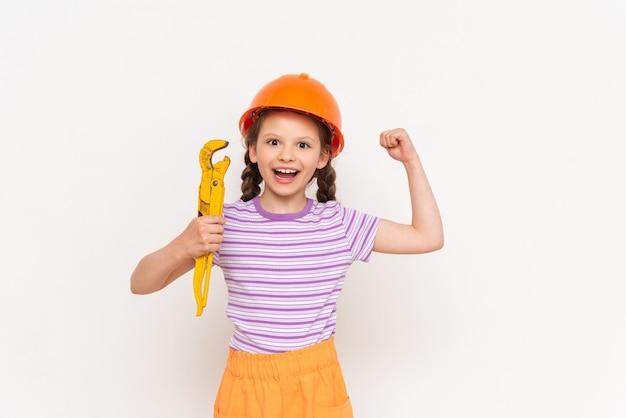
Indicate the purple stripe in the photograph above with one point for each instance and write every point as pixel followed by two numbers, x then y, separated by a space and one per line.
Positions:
pixel 268 309
pixel 257 348
pixel 262 254
pixel 290 269
pixel 286 232
pixel 259 321
pixel 282 282
pixel 280 244
pixel 369 233
pixel 284 296
pixel 282 337
pixel 324 215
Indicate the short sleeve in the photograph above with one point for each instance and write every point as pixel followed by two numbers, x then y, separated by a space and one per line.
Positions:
pixel 360 229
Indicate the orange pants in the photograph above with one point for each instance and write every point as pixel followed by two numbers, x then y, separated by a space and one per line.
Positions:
pixel 305 383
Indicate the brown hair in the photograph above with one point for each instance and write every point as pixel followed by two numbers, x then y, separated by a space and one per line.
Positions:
pixel 251 178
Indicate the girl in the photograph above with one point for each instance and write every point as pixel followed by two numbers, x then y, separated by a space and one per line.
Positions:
pixel 285 256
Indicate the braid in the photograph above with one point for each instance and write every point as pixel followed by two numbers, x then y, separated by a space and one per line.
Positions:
pixel 326 188
pixel 251 179
pixel 250 176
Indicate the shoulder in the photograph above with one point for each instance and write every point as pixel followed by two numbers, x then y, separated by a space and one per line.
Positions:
pixel 238 205
pixel 333 206
pixel 334 209
pixel 326 210
pixel 240 210
pixel 330 206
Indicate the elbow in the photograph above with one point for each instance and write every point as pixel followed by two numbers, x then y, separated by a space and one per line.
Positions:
pixel 134 290
pixel 424 245
pixel 140 286
pixel 433 246
pixel 136 287
pixel 439 242
pixel 435 243
pixel 428 240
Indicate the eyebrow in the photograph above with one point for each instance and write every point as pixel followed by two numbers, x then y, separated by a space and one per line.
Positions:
pixel 300 138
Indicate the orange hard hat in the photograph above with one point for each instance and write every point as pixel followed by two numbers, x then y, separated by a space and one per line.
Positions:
pixel 300 93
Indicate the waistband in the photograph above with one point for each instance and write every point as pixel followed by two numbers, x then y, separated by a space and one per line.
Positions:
pixel 282 365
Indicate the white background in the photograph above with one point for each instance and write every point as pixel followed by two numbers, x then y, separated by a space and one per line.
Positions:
pixel 518 112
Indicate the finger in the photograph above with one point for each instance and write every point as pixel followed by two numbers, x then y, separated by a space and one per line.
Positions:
pixel 207 231
pixel 393 136
pixel 384 139
pixel 389 139
pixel 211 219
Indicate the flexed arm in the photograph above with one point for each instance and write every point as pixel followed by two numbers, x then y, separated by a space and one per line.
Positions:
pixel 425 232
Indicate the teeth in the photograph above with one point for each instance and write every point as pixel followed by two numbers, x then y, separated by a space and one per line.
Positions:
pixel 285 171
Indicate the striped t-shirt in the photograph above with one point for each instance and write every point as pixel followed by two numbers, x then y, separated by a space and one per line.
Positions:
pixel 284 272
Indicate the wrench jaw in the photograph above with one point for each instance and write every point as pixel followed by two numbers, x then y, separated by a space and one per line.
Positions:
pixel 211 173
pixel 209 149
pixel 211 188
pixel 210 202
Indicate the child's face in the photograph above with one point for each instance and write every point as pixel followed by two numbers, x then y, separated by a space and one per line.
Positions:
pixel 287 153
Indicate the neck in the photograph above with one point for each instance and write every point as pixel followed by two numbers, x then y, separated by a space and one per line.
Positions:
pixel 275 204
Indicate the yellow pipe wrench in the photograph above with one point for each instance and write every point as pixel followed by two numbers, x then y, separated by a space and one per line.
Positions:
pixel 210 202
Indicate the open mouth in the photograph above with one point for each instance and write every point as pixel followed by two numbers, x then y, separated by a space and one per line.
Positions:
pixel 285 173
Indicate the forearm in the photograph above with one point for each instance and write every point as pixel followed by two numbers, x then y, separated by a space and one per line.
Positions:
pixel 158 269
pixel 425 216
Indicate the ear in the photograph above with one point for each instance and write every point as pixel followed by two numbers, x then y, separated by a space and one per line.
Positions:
pixel 324 158
pixel 252 153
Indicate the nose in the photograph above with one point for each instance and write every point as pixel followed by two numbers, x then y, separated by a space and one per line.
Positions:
pixel 286 154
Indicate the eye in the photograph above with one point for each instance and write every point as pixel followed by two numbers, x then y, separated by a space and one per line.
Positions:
pixel 272 141
pixel 303 145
